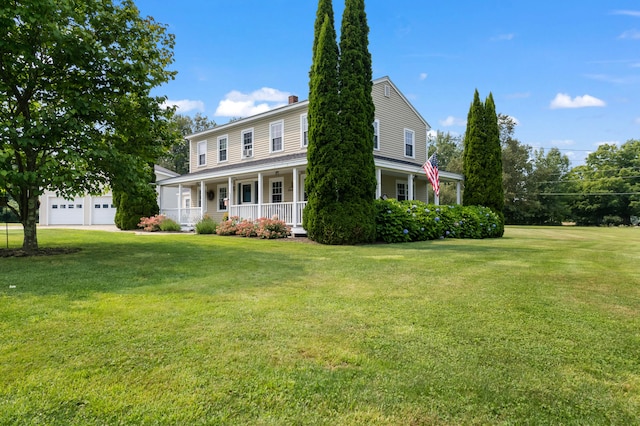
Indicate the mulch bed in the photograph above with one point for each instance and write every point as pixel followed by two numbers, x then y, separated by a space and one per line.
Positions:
pixel 40 252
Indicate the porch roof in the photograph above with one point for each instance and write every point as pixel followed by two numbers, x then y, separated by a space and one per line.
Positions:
pixel 293 160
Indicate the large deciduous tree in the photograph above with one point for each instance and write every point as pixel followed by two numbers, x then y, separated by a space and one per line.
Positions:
pixel 607 186
pixel 76 113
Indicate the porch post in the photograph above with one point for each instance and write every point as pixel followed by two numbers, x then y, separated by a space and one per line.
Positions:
pixel 410 187
pixel 260 195
pixel 378 182
pixel 203 199
pixel 458 193
pixel 229 195
pixel 180 203
pixel 160 200
pixel 294 213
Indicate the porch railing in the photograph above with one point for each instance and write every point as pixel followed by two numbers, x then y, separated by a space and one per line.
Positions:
pixel 185 216
pixel 284 211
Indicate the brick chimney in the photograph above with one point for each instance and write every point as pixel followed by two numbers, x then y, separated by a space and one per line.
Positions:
pixel 293 99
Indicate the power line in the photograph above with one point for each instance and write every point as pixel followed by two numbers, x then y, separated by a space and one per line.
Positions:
pixel 589 193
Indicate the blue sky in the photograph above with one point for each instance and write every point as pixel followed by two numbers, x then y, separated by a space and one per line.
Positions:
pixel 567 70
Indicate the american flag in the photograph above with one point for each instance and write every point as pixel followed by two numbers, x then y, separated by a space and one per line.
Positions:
pixel 431 169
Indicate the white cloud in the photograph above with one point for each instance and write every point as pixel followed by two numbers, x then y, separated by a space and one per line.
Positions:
pixel 562 100
pixel 630 34
pixel 238 104
pixel 607 143
pixel 423 75
pixel 452 121
pixel 503 37
pixel 634 13
pixel 563 142
pixel 185 105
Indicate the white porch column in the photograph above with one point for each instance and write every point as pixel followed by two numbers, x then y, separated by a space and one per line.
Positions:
pixel 229 195
pixel 203 199
pixel 295 197
pixel 458 193
pixel 179 203
pixel 378 182
pixel 410 187
pixel 260 195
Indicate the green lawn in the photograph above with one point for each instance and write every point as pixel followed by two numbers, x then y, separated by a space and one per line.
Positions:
pixel 539 327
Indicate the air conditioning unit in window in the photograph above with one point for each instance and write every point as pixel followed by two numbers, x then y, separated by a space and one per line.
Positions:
pixel 247 153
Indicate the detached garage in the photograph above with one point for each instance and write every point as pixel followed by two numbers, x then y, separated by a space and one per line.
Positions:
pixel 87 210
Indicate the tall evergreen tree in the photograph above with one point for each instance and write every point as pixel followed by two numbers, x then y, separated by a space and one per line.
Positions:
pixel 483 157
pixel 473 154
pixel 324 132
pixel 357 113
pixel 494 197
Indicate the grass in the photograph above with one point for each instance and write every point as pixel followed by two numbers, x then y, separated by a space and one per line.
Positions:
pixel 538 327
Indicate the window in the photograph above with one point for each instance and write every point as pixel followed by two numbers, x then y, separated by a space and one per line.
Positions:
pixel 96 206
pixel 222 198
pixel 409 143
pixel 187 203
pixel 63 206
pixel 246 190
pixel 376 135
pixel 275 136
pixel 202 153
pixel 401 191
pixel 78 206
pixel 222 148
pixel 277 190
pixel 387 90
pixel 54 206
pixel 247 143
pixel 304 130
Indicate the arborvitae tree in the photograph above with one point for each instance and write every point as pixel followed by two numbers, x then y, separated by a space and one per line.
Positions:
pixel 135 201
pixel 483 157
pixel 325 7
pixel 494 198
pixel 473 155
pixel 357 184
pixel 324 133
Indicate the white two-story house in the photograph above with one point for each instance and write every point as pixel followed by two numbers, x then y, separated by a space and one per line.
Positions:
pixel 255 167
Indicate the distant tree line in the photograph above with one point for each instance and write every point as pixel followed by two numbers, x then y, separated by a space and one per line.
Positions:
pixel 540 187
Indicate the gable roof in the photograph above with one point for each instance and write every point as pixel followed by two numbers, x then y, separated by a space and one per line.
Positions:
pixel 245 121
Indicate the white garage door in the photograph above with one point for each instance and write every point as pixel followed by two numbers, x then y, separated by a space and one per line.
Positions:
pixel 104 212
pixel 66 212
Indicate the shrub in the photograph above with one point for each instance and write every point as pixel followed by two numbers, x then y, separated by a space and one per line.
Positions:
pixel 246 228
pixel 152 223
pixel 228 227
pixel 272 228
pixel 411 220
pixel 206 225
pixel 170 225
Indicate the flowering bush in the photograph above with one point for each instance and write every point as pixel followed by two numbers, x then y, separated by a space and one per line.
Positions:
pixel 228 227
pixel 246 228
pixel 151 224
pixel 272 228
pixel 411 220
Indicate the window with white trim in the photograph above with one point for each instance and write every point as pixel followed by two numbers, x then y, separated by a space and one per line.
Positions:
pixel 223 195
pixel 202 153
pixel 276 190
pixel 304 130
pixel 376 135
pixel 387 90
pixel 401 191
pixel 247 143
pixel 276 136
pixel 222 148
pixel 409 143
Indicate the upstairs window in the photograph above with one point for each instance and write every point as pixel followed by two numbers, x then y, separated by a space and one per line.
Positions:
pixel 387 90
pixel 304 130
pixel 247 143
pixel 376 135
pixel 202 153
pixel 222 148
pixel 275 136
pixel 409 143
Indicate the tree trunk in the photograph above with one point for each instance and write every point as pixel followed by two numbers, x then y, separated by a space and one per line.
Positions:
pixel 28 218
